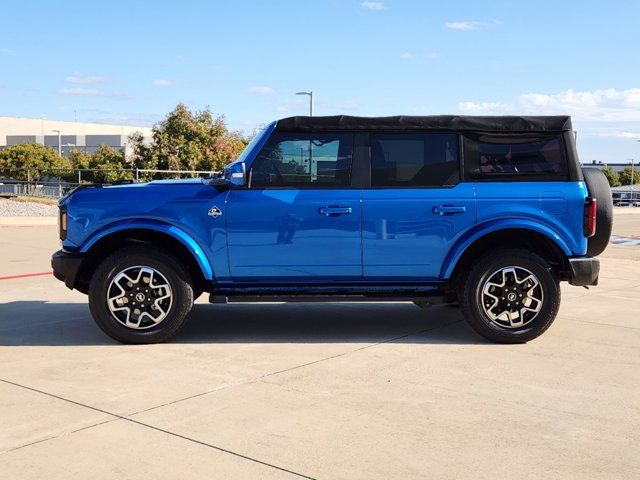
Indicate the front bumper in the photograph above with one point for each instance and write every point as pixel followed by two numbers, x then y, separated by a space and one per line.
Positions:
pixel 584 271
pixel 65 266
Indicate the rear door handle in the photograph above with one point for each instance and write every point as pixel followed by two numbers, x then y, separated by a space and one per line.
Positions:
pixel 449 209
pixel 334 210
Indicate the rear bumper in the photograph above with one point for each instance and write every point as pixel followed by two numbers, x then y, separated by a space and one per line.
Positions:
pixel 65 266
pixel 584 271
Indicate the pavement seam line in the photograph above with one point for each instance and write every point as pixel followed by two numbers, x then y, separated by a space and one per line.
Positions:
pixel 338 355
pixel 257 379
pixel 568 317
pixel 253 380
pixel 158 429
pixel 62 434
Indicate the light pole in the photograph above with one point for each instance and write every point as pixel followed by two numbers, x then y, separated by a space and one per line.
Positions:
pixel 59 141
pixel 632 180
pixel 631 187
pixel 310 93
pixel 70 145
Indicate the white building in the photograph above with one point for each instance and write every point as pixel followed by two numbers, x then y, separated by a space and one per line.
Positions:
pixel 74 135
pixel 615 166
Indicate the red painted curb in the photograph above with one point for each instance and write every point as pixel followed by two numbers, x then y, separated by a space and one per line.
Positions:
pixel 25 275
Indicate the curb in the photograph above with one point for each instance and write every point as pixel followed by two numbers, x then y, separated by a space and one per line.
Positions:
pixel 27 221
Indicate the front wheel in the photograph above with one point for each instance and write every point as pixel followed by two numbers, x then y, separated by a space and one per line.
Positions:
pixel 510 296
pixel 140 294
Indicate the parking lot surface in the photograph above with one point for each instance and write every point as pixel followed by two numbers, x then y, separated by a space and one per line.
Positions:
pixel 317 391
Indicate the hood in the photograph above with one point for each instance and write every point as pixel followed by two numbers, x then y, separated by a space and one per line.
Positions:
pixel 132 194
pixel 177 181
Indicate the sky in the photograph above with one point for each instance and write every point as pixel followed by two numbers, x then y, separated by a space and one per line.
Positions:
pixel 131 62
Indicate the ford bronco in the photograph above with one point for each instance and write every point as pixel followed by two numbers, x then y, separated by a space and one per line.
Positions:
pixel 490 213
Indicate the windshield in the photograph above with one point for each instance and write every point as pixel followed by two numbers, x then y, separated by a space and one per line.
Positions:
pixel 252 144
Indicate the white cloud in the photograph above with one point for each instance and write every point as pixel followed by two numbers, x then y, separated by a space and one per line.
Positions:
pixel 462 25
pixel 8 51
pixel 161 82
pixel 86 92
pixel 85 79
pixel 624 135
pixel 484 108
pixel 406 56
pixel 432 55
pixel 373 5
pixel 281 109
pixel 261 90
pixel 603 105
pixel 465 26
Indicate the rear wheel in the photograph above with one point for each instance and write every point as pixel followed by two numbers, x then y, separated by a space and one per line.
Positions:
pixel 510 296
pixel 140 295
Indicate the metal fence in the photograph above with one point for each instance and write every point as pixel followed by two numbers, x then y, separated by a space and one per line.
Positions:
pixel 54 183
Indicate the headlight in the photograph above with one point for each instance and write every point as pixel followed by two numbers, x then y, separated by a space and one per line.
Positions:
pixel 62 224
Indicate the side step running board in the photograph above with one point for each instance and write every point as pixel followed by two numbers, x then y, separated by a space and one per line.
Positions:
pixel 430 299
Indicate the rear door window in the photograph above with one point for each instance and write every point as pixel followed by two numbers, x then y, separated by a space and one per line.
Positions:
pixel 516 157
pixel 414 159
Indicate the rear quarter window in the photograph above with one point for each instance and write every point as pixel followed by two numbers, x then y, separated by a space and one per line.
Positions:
pixel 522 157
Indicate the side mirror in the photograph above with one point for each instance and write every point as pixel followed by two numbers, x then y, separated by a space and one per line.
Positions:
pixel 234 175
pixel 221 183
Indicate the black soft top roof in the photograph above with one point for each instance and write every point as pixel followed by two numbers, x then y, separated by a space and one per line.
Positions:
pixel 497 124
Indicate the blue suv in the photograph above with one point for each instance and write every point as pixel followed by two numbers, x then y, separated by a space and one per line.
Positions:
pixel 490 213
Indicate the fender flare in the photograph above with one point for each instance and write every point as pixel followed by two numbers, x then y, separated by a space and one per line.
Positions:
pixel 480 231
pixel 166 228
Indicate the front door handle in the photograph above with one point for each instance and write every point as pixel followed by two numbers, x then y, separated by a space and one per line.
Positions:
pixel 334 210
pixel 449 209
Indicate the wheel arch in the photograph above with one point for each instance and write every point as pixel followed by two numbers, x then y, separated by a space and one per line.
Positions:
pixel 166 236
pixel 532 235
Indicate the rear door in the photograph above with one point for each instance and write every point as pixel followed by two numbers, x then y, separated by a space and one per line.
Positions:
pixel 300 219
pixel 416 207
pixel 526 177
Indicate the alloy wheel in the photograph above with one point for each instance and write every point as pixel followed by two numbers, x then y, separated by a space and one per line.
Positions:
pixel 139 297
pixel 512 297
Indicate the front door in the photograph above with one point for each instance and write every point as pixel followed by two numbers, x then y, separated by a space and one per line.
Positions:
pixel 299 219
pixel 416 208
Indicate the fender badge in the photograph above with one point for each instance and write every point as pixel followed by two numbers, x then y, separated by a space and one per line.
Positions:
pixel 215 212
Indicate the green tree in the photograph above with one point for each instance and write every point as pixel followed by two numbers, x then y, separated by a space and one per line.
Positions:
pixel 141 152
pixel 612 176
pixel 79 159
pixel 187 140
pixel 625 176
pixel 42 162
pixel 106 160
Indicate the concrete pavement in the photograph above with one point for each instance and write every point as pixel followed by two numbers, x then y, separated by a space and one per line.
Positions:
pixel 318 391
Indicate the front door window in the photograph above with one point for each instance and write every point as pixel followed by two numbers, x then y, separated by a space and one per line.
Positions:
pixel 299 160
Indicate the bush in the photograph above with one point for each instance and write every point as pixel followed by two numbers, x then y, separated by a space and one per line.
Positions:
pixel 40 160
pixel 625 176
pixel 105 159
pixel 612 176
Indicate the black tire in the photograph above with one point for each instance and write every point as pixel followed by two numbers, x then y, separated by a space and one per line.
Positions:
pixel 147 256
pixel 598 188
pixel 484 268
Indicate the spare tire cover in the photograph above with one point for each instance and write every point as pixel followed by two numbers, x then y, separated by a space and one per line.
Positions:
pixel 598 188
